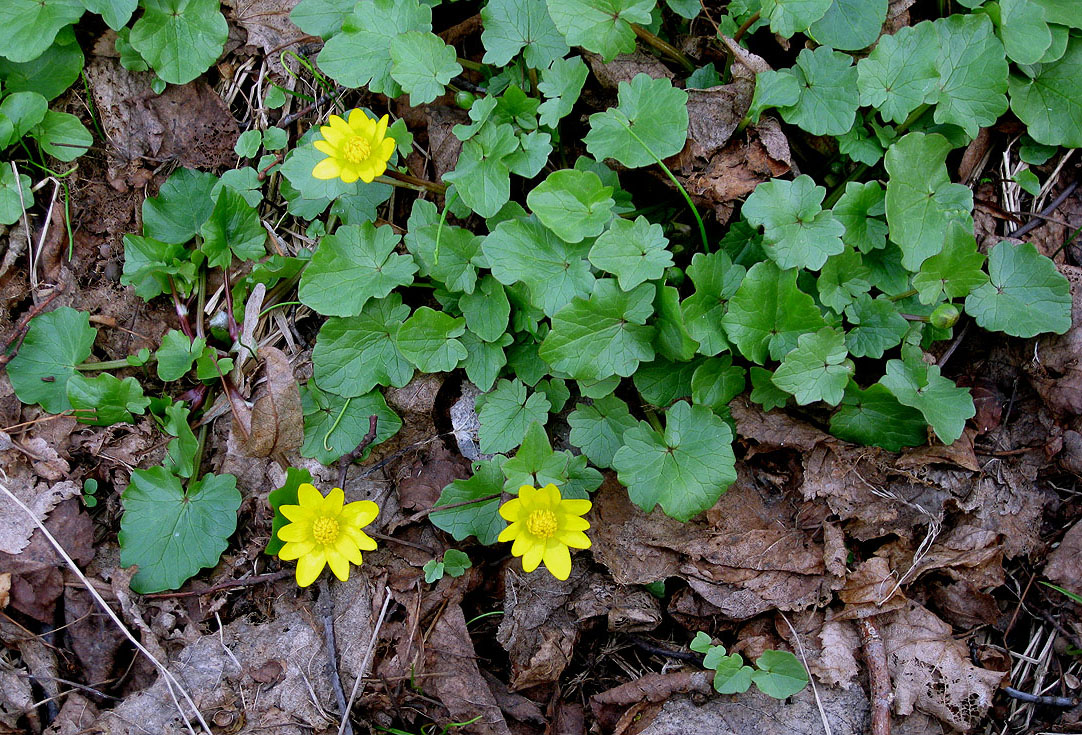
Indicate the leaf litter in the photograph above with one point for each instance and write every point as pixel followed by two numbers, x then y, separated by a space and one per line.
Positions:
pixel 935 527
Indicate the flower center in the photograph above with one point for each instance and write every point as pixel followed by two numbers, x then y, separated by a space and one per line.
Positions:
pixel 356 150
pixel 325 530
pixel 541 523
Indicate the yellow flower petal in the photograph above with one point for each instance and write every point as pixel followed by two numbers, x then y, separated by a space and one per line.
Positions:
pixel 527 494
pixel 386 148
pixel 511 510
pixel 523 543
pixel 551 494
pixel 365 542
pixel 324 147
pixel 360 513
pixel 309 497
pixel 381 127
pixel 328 168
pixel 295 550
pixel 332 504
pixel 296 513
pixel 510 533
pixel 576 507
pixel 574 539
pixel 337 123
pixel 338 563
pixel 332 136
pixel 532 558
pixel 557 560
pixel 298 531
pixel 347 547
pixel 309 566
pixel 574 523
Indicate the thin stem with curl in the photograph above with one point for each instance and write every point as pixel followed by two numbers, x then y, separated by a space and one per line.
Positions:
pixel 679 186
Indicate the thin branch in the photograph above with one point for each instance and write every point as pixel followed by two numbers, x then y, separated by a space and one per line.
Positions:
pixel 347 459
pixel 229 585
pixel 875 656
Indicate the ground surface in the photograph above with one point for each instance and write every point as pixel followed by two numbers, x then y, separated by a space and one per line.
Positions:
pixel 820 547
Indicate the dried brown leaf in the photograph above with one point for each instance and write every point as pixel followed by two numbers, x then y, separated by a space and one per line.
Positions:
pixel 1064 565
pixel 277 422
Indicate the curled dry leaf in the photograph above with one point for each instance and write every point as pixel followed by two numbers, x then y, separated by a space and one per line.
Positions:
pixel 626 67
pixel 1064 565
pixel 276 422
pixel 931 670
pixel 15 526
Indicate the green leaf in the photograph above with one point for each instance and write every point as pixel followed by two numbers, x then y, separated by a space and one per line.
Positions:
pixel 482 176
pixel 506 414
pixel 341 423
pixel 55 343
pixel 24 110
pixel 874 417
pixel 919 385
pixel 486 309
pixel 1025 295
pixel 285 495
pixel 244 181
pixel 972 73
pixel 105 400
pixel 732 675
pixel 573 204
pixel 955 271
pixel 49 73
pixel 180 451
pixel 662 382
pixel 877 326
pixel 456 562
pixel 817 370
pixel 171 534
pixel 860 146
pixel 598 429
pixel 1064 12
pixel 298 166
pixel 423 65
pixel 601 336
pixel 180 39
pixel 536 464
pixel 523 360
pixel 209 367
pixel 827 105
pixel 850 25
pixel 921 202
pixel 13 196
pixel 62 136
pixel 561 84
pixel 858 210
pixel 557 392
pixel 601 26
pixel 355 354
pixel 554 270
pixel 900 74
pixel 355 264
pixel 115 13
pixel 321 17
pixel 788 17
pixel 458 249
pixel 31 26
pixel 176 355
pixel 532 155
pixel 799 233
pixel 479 519
pixel 716 279
pixel 248 143
pixel 685 470
pixel 843 279
pixel 182 206
pixel 1025 34
pixel 764 392
pixel 673 341
pixel 780 674
pixel 651 116
pixel 361 54
pixel 520 25
pixel 716 382
pixel 634 251
pixel 773 89
pixel 768 313
pixel 427 339
pixel 233 228
pixel 484 360
pixel 701 643
pixel 1050 104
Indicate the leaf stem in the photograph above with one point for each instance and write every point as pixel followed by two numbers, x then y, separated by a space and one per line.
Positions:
pixel 913 317
pixel 275 306
pixel 672 177
pixel 439 227
pixel 110 364
pixel 411 182
pixel 335 424
pixel 664 47
pixel 471 65
pixel 652 417
pixel 904 295
pixel 198 458
pixel 745 26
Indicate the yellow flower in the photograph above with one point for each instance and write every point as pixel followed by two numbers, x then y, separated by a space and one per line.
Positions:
pixel 543 525
pixel 321 531
pixel 358 149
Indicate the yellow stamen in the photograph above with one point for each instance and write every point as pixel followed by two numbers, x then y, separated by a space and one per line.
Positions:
pixel 356 150
pixel 541 523
pixel 325 530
